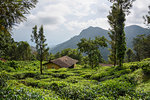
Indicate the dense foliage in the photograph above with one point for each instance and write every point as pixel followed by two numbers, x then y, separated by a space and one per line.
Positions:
pixel 13 12
pixel 22 80
pixel 141 47
pixel 116 19
pixel 91 48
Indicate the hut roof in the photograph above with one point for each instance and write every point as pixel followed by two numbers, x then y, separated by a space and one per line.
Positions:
pixel 2 59
pixel 64 61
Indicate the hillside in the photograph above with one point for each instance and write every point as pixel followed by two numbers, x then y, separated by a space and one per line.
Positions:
pixel 21 80
pixel 91 32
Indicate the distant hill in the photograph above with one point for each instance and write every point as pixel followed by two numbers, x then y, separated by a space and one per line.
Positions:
pixel 92 32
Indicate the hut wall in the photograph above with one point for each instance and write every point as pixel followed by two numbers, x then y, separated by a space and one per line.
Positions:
pixel 51 66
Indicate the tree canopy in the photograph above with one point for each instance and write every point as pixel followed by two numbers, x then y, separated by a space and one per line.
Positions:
pixel 91 48
pixel 12 12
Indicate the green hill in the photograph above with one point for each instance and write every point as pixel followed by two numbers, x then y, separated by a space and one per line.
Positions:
pixel 92 32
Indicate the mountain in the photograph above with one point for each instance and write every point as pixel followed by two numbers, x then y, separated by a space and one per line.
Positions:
pixel 92 32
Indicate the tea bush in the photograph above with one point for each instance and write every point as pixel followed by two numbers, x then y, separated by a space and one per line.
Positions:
pixel 130 82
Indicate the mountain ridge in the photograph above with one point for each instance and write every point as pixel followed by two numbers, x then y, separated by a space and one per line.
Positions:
pixel 91 32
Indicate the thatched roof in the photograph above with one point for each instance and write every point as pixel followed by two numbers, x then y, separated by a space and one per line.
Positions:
pixel 64 61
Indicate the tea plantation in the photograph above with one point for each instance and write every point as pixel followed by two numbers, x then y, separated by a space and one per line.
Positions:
pixel 21 80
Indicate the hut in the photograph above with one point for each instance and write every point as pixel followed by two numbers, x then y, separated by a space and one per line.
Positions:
pixel 3 60
pixel 62 62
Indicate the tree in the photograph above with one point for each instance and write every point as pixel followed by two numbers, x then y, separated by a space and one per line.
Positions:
pixel 57 55
pixel 39 40
pixel 7 46
pixel 91 48
pixel 147 17
pixel 116 19
pixel 130 55
pixel 51 56
pixel 13 12
pixel 141 46
pixel 23 51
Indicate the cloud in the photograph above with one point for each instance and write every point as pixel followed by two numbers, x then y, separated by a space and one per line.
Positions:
pixel 140 9
pixel 99 22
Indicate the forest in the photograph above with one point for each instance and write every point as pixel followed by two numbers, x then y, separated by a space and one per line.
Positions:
pixel 23 76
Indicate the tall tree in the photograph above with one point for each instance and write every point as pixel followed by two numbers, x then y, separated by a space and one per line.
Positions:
pixel 130 55
pixel 91 48
pixel 116 19
pixel 40 40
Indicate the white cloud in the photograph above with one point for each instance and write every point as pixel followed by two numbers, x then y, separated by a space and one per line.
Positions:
pixel 140 9
pixel 99 22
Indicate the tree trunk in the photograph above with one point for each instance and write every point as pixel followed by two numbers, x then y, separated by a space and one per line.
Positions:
pixel 120 63
pixel 41 66
pixel 41 59
pixel 115 58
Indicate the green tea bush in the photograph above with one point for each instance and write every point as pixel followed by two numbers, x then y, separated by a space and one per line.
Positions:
pixel 29 74
pixel 62 75
pixel 53 85
pixel 147 59
pixel 74 79
pixel 115 88
pixel 4 66
pixel 146 67
pixel 98 76
pixel 50 79
pixel 109 73
pixel 13 64
pixel 20 94
pixel 3 79
pixel 77 92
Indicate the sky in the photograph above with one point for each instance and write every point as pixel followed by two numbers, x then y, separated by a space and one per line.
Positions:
pixel 63 19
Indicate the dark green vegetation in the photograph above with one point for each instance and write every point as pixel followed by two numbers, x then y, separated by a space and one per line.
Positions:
pixel 91 48
pixel 22 80
pixel 13 12
pixel 141 46
pixel 116 19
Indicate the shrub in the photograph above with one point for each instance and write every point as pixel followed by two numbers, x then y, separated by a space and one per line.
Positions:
pixel 146 67
pixel 12 64
pixel 115 88
pixel 147 59
pixel 3 79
